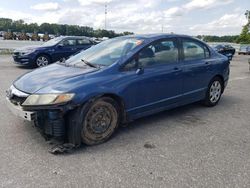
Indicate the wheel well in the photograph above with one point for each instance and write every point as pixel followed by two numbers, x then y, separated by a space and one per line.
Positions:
pixel 121 104
pixel 44 54
pixel 222 79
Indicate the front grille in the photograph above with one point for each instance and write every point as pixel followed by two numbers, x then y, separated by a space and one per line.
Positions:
pixel 16 53
pixel 16 96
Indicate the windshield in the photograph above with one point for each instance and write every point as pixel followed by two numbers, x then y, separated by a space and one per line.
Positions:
pixel 52 42
pixel 105 53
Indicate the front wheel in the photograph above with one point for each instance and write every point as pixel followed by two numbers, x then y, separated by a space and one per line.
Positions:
pixel 42 61
pixel 100 121
pixel 214 92
pixel 95 122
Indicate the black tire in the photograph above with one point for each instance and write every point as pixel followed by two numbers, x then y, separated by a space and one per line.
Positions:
pixel 214 92
pixel 93 123
pixel 42 60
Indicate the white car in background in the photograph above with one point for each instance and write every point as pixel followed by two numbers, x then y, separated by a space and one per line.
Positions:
pixel 245 50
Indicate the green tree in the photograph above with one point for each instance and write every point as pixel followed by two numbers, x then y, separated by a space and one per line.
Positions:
pixel 127 33
pixel 244 37
pixel 5 24
pixel 56 29
pixel 213 38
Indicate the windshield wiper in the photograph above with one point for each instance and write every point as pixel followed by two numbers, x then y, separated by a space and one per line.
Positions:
pixel 89 64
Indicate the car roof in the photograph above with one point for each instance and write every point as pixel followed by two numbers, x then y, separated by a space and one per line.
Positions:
pixel 156 35
pixel 73 37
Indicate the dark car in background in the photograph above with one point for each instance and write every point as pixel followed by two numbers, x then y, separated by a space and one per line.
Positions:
pixel 51 51
pixel 116 81
pixel 245 50
pixel 225 49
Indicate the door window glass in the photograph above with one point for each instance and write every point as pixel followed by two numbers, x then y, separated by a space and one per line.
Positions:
pixel 160 52
pixel 83 41
pixel 69 42
pixel 194 50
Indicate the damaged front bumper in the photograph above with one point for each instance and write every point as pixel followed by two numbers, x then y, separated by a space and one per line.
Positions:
pixel 18 111
pixel 51 122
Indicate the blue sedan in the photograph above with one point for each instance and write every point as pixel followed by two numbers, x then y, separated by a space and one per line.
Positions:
pixel 51 51
pixel 86 98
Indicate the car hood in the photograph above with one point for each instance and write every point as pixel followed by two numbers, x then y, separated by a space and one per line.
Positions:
pixel 43 77
pixel 26 48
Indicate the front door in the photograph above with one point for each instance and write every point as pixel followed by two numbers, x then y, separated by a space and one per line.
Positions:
pixel 65 49
pixel 156 81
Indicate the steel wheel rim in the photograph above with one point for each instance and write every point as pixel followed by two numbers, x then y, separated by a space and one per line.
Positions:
pixel 42 61
pixel 100 121
pixel 215 91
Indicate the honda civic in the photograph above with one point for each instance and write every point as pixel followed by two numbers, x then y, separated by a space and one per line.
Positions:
pixel 87 97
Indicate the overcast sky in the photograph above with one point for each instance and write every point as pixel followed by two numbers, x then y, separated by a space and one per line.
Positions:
pixel 193 17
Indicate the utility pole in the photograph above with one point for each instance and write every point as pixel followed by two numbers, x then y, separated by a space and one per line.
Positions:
pixel 106 11
pixel 162 18
pixel 247 14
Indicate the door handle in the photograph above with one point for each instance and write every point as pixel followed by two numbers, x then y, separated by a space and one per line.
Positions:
pixel 207 66
pixel 139 71
pixel 176 69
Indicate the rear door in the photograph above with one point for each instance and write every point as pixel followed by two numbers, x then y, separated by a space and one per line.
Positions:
pixel 197 68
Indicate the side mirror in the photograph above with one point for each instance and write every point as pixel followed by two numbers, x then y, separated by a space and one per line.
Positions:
pixel 62 60
pixel 59 45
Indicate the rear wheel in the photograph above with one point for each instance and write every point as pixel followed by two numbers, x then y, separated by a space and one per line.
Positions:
pixel 214 92
pixel 42 60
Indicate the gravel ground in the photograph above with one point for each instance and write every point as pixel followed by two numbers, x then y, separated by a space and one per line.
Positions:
pixel 191 146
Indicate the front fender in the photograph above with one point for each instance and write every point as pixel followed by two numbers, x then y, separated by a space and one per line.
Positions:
pixel 92 93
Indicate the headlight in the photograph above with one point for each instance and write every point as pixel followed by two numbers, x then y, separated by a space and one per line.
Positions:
pixel 47 99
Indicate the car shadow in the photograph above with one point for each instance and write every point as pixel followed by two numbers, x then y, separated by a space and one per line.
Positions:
pixel 182 116
pixel 190 115
pixel 26 68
